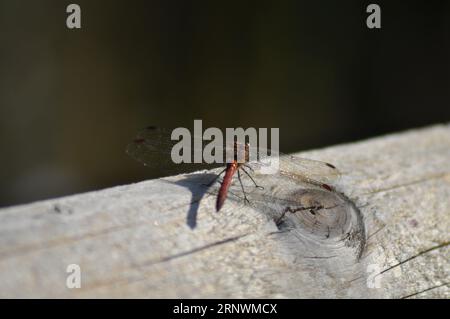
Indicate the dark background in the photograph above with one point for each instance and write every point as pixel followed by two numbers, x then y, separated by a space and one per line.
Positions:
pixel 70 100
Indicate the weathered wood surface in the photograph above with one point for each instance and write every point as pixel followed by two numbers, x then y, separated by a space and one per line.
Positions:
pixel 162 238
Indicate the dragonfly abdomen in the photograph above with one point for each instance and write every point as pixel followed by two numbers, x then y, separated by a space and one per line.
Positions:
pixel 223 191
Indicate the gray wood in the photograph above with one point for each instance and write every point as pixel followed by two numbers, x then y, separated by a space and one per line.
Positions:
pixel 387 236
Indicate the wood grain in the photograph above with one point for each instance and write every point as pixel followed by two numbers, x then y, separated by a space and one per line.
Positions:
pixel 383 233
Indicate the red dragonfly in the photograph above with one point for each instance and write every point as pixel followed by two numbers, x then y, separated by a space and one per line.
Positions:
pixel 152 147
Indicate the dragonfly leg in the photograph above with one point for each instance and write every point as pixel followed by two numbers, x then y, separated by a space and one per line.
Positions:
pixel 256 185
pixel 243 190
pixel 215 178
pixel 249 167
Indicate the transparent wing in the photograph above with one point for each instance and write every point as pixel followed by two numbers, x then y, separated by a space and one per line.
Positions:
pixel 153 144
pixel 301 169
pixel 311 171
pixel 152 147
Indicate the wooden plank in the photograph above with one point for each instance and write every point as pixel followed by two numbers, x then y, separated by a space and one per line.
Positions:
pixel 383 234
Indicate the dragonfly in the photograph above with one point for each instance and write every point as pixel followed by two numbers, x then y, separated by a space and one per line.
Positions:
pixel 152 146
